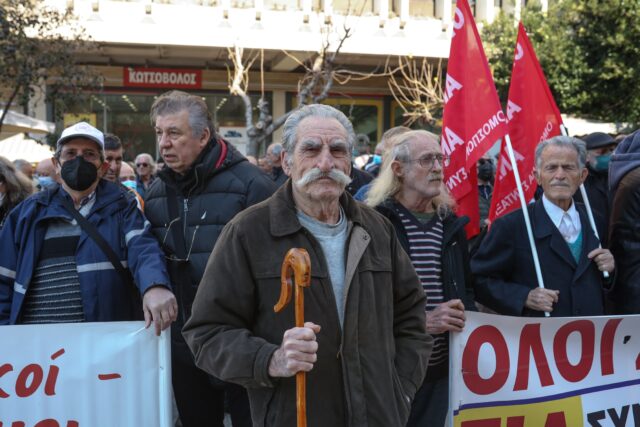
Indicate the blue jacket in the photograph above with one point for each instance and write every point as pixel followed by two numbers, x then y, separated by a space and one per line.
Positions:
pixel 105 297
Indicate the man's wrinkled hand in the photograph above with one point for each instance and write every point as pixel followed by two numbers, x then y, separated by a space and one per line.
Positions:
pixel 297 352
pixel 541 299
pixel 603 259
pixel 446 317
pixel 160 307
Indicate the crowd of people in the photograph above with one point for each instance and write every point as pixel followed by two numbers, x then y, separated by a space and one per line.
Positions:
pixel 196 245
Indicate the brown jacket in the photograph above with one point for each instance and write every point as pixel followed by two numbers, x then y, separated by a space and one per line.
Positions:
pixel 365 375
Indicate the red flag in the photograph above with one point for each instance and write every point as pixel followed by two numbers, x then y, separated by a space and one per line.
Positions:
pixel 472 119
pixel 533 117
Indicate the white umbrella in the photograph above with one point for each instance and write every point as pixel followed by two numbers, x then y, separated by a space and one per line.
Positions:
pixel 15 123
pixel 21 147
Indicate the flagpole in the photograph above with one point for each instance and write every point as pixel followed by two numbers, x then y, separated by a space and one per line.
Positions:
pixel 585 199
pixel 525 212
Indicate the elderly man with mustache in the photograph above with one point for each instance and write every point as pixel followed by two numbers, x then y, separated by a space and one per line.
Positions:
pixel 364 346
pixel 409 191
pixel 570 259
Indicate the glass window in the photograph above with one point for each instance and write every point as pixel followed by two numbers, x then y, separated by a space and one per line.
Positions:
pixel 422 8
pixel 353 7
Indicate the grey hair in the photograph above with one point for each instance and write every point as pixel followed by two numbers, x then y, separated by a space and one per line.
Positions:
pixel 290 128
pixel 387 184
pixel 563 141
pixel 175 101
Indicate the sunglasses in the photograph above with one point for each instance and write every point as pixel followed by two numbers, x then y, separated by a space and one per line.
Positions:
pixel 142 164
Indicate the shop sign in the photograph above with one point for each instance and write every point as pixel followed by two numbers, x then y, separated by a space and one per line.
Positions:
pixel 69 119
pixel 169 78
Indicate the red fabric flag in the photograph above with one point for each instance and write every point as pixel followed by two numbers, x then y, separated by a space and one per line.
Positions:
pixel 473 119
pixel 533 117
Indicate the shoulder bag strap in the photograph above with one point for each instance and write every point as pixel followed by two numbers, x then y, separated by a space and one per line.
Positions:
pixel 91 230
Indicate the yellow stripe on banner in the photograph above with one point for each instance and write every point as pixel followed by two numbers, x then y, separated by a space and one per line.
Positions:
pixel 556 413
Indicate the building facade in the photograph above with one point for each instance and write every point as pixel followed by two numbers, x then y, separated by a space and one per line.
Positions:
pixel 146 47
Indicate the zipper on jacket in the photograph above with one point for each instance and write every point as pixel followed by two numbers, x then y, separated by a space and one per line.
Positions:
pixel 185 210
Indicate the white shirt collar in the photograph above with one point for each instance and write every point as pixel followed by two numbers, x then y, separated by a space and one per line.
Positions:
pixel 556 213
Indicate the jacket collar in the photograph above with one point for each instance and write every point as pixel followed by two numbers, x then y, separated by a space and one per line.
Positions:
pixel 106 193
pixel 451 223
pixel 216 156
pixel 283 216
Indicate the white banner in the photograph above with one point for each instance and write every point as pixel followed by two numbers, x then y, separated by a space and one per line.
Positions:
pixel 546 372
pixel 112 374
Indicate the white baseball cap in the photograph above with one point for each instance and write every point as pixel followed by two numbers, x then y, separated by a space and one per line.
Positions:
pixel 82 130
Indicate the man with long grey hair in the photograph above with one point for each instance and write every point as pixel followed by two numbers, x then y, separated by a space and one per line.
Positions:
pixel 364 346
pixel 409 191
pixel 568 249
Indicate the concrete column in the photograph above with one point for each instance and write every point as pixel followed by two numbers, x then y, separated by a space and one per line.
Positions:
pixel 545 5
pixel 404 12
pixel 485 11
pixel 381 8
pixel 278 108
pixel 444 11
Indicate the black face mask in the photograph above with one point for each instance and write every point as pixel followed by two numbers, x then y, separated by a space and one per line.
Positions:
pixel 79 174
pixel 485 171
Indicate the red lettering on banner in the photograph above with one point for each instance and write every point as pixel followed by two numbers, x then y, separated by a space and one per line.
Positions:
pixel 606 346
pixel 451 85
pixel 44 423
pixel 531 342
pixel 485 334
pixel 515 421
pixel 30 378
pixel 578 372
pixel 3 370
pixel 556 419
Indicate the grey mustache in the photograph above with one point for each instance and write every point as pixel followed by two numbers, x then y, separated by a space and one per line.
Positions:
pixel 315 174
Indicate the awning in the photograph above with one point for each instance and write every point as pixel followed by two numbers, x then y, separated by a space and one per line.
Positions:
pixel 15 123
pixel 21 147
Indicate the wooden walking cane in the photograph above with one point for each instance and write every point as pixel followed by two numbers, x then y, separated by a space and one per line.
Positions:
pixel 296 262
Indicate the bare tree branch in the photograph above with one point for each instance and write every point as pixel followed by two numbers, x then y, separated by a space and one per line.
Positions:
pixel 417 88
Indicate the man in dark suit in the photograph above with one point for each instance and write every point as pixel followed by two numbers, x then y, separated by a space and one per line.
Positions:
pixel 570 260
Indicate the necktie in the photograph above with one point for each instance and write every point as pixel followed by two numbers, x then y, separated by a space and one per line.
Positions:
pixel 566 228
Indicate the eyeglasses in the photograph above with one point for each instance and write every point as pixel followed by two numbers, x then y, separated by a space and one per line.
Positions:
pixel 172 257
pixel 429 160
pixel 138 165
pixel 482 161
pixel 88 155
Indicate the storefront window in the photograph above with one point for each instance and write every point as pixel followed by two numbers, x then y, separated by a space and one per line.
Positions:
pixel 126 114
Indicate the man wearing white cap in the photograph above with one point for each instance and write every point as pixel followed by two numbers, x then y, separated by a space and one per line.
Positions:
pixel 82 250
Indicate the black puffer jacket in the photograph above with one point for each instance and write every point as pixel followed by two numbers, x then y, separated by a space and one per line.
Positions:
pixel 219 185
